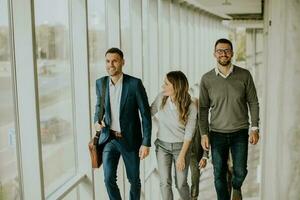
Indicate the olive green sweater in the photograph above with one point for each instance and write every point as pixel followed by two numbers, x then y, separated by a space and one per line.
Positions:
pixel 227 100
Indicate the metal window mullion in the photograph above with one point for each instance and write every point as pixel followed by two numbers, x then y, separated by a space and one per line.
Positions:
pixel 14 92
pixel 81 95
pixel 72 65
pixel 27 99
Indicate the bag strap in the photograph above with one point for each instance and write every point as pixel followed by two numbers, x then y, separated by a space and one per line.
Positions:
pixel 100 116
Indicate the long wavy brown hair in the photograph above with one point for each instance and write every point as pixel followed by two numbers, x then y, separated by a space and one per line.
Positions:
pixel 182 97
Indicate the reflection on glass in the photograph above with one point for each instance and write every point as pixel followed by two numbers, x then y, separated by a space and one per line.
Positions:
pixel 55 92
pixel 240 50
pixel 97 43
pixel 9 177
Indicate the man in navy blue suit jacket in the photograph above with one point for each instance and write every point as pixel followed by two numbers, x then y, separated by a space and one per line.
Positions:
pixel 122 132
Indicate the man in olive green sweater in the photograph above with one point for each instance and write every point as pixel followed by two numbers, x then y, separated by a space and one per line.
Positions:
pixel 226 92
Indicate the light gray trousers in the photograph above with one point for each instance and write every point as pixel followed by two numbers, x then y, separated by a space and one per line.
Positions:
pixel 166 154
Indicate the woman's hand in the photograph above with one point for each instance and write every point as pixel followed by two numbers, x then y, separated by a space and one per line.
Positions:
pixel 202 163
pixel 180 162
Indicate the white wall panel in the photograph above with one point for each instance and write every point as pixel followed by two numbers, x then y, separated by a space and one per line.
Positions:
pixel 175 37
pixel 183 38
pixel 164 38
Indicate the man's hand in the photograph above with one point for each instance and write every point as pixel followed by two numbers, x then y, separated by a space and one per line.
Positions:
pixel 98 126
pixel 143 152
pixel 254 137
pixel 205 142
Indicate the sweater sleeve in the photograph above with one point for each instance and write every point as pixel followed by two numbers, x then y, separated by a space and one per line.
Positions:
pixel 252 101
pixel 204 104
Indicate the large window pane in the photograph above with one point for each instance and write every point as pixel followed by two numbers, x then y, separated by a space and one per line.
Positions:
pixel 9 177
pixel 97 43
pixel 55 91
pixel 97 39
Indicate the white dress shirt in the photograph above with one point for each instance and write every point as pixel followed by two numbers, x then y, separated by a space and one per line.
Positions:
pixel 115 93
pixel 224 76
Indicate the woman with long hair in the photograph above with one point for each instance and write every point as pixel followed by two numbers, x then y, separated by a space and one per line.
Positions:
pixel 176 116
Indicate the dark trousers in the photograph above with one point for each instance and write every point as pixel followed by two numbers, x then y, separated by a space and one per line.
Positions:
pixel 237 142
pixel 195 175
pixel 111 155
pixel 196 155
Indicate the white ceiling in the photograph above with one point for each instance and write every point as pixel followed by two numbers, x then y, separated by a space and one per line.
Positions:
pixel 235 7
pixel 230 9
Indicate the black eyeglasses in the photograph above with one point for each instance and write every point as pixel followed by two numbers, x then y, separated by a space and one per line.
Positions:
pixel 225 51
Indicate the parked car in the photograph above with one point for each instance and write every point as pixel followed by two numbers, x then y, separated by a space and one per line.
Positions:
pixel 54 128
pixel 45 68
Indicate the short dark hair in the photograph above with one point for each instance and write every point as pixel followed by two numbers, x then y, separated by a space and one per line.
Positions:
pixel 115 50
pixel 223 40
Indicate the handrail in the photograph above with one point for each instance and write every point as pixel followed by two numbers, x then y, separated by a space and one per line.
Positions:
pixel 67 188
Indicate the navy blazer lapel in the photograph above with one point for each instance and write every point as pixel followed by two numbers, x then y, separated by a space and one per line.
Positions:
pixel 124 91
pixel 107 103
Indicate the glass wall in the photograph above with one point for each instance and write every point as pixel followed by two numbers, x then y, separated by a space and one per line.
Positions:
pixel 55 91
pixel 97 39
pixel 9 176
pixel 97 43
